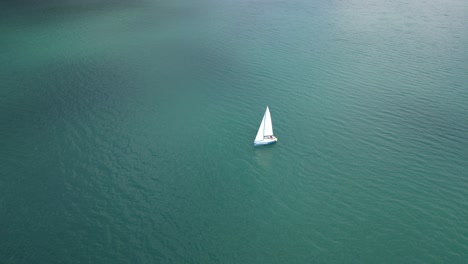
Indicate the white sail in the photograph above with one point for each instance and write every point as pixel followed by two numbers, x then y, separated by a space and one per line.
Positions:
pixel 259 136
pixel 268 131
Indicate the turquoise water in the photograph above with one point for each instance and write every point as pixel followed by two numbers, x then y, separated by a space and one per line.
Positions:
pixel 127 129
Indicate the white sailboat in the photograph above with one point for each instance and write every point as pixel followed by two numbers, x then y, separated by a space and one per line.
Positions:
pixel 265 131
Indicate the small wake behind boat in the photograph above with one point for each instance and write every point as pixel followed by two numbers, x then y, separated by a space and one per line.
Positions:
pixel 265 131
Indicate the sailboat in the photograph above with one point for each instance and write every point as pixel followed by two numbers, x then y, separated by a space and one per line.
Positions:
pixel 265 131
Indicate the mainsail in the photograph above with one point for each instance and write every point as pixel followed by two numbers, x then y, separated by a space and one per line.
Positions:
pixel 266 127
pixel 268 131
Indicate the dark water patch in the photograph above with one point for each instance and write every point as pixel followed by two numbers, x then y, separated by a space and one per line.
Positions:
pixel 60 92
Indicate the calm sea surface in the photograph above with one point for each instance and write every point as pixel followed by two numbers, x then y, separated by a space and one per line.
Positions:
pixel 126 131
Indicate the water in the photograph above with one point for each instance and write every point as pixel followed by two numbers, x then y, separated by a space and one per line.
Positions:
pixel 127 128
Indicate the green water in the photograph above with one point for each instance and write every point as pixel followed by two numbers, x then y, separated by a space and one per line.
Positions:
pixel 126 131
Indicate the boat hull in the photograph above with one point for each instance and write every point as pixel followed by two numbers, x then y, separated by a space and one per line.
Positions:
pixel 265 142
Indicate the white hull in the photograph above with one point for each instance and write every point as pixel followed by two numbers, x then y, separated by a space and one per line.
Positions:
pixel 265 142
